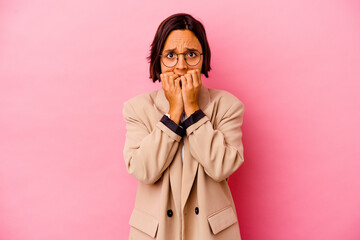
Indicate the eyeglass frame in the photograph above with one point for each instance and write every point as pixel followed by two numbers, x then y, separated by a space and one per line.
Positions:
pixel 177 57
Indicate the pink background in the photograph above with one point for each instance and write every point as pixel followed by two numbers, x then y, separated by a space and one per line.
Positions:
pixel 66 67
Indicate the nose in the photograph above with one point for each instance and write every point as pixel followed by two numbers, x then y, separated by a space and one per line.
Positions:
pixel 181 64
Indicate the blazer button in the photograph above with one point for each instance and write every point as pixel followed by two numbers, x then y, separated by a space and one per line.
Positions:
pixel 196 210
pixel 169 213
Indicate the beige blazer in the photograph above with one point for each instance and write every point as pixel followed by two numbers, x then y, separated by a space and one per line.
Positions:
pixel 189 200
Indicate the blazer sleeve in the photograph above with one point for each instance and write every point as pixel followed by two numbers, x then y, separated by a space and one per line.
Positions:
pixel 148 153
pixel 220 150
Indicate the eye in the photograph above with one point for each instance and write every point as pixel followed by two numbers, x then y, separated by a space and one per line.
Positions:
pixel 170 55
pixel 191 54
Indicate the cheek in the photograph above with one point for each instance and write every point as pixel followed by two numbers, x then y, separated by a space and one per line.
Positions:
pixel 164 69
pixel 200 65
pixel 161 68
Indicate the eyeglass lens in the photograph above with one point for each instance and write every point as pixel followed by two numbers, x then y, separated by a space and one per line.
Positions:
pixel 192 58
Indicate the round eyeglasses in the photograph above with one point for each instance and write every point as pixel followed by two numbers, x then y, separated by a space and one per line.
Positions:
pixel 192 58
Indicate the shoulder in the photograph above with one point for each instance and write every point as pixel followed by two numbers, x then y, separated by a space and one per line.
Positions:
pixel 140 104
pixel 224 106
pixel 142 99
pixel 224 98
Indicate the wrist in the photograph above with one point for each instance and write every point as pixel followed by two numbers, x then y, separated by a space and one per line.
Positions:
pixel 174 116
pixel 191 109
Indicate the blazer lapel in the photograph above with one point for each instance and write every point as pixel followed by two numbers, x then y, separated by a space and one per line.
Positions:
pixel 189 172
pixel 175 176
pixel 190 165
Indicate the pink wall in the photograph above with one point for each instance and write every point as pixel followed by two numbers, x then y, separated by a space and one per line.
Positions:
pixel 66 67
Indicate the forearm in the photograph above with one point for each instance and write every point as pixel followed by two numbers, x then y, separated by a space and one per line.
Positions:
pixel 148 152
pixel 219 151
pixel 147 160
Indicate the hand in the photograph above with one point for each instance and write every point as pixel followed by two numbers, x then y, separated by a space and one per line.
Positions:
pixel 171 85
pixel 191 84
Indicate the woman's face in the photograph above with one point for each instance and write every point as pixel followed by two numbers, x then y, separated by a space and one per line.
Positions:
pixel 179 41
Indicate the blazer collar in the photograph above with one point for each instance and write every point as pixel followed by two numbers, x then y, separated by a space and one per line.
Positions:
pixel 163 105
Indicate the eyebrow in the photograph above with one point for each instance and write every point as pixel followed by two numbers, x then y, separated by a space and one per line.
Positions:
pixel 171 50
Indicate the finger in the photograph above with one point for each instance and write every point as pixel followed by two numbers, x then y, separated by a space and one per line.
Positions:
pixel 195 78
pixel 178 81
pixel 177 84
pixel 174 75
pixel 164 82
pixel 189 80
pixel 198 72
pixel 171 82
pixel 161 77
pixel 183 82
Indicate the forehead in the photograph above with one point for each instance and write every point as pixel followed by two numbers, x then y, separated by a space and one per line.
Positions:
pixel 181 39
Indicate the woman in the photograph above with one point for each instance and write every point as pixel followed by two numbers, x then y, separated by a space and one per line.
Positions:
pixel 183 142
